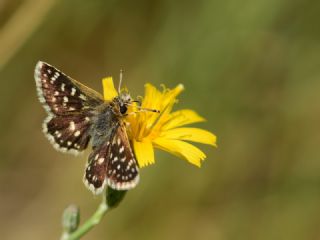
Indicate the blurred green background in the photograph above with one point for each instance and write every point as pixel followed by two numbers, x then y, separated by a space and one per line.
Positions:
pixel 252 68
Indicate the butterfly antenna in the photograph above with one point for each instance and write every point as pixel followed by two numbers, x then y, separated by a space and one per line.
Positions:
pixel 148 109
pixel 142 109
pixel 120 80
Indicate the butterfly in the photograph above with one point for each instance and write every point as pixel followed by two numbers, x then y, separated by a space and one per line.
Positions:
pixel 78 115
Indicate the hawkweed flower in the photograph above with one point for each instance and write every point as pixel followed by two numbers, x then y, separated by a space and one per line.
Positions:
pixel 165 130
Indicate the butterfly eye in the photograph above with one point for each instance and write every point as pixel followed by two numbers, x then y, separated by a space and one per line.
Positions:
pixel 123 109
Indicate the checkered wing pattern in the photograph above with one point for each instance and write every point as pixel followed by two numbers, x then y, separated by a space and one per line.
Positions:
pixel 76 114
pixel 113 163
pixel 70 107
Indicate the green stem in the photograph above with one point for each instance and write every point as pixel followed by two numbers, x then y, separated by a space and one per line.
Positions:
pixel 89 224
pixel 111 199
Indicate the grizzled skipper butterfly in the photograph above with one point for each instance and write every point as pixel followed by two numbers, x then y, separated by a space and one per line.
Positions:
pixel 78 114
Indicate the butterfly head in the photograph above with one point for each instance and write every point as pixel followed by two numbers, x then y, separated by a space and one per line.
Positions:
pixel 122 101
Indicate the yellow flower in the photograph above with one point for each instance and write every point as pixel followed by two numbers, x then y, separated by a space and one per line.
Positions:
pixel 163 130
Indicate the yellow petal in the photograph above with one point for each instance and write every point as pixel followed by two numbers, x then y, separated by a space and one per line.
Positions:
pixel 190 134
pixel 170 95
pixel 159 100
pixel 152 97
pixel 181 149
pixel 182 117
pixel 143 152
pixel 109 91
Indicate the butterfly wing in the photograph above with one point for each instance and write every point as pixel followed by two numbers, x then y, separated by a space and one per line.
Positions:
pixel 112 163
pixel 69 133
pixel 62 95
pixel 70 106
pixel 122 167
pixel 95 173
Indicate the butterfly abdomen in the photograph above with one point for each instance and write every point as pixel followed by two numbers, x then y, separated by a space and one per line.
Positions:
pixel 103 124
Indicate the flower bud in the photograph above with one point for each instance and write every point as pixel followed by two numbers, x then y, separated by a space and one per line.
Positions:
pixel 71 218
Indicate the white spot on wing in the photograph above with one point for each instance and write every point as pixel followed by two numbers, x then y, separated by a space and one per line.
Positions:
pixel 72 126
pixel 73 91
pixel 56 74
pixel 100 160
pixel 121 149
pixel 130 162
pixel 83 97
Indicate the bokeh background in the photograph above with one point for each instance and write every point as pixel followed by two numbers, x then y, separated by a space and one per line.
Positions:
pixel 252 68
